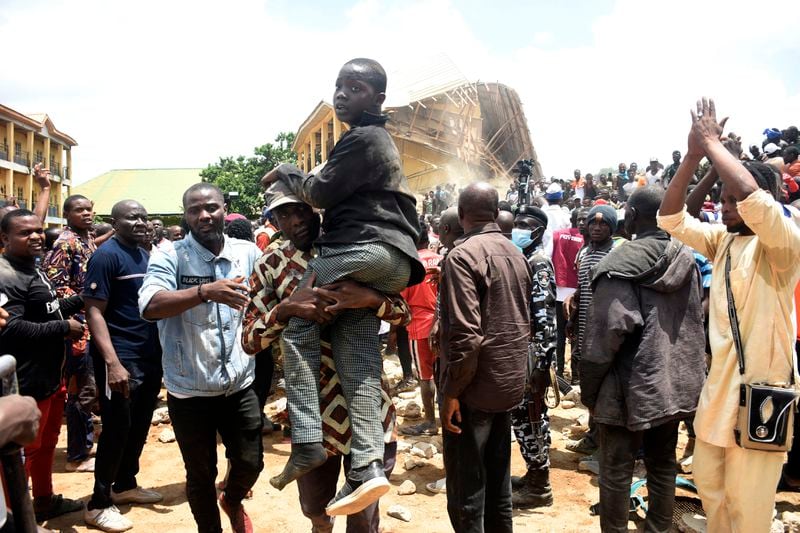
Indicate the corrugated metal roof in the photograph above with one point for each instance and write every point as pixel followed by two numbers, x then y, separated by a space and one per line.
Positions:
pixel 426 76
pixel 159 190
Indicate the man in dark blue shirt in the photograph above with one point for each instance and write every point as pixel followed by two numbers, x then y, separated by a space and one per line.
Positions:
pixel 127 361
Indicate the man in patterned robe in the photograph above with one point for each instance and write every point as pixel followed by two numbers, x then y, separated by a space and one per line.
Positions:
pixel 276 295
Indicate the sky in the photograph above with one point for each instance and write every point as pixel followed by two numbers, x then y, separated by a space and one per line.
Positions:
pixel 179 83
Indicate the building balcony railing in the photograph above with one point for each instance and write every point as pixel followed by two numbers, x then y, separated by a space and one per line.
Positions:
pixel 55 170
pixel 22 158
pixel 52 211
pixel 4 151
pixel 65 174
pixel 38 158
pixel 22 204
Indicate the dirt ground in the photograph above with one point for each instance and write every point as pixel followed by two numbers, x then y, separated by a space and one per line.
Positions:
pixel 276 511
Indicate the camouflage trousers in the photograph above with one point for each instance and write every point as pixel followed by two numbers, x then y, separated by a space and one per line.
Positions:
pixel 533 436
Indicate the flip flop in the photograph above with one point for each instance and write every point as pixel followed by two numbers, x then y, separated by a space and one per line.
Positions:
pixel 437 487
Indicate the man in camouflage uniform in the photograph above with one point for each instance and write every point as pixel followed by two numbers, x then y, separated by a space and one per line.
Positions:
pixel 529 419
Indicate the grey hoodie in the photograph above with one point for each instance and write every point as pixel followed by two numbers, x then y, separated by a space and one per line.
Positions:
pixel 643 354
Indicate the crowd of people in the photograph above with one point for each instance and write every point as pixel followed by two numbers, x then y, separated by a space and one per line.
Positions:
pixel 624 286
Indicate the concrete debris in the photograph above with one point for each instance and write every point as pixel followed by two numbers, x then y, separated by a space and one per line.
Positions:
pixel 411 463
pixel 399 512
pixel 166 436
pixel 423 449
pixel 160 416
pixel 410 410
pixel 406 488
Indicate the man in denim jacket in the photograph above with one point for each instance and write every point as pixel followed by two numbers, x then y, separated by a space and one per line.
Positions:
pixel 197 293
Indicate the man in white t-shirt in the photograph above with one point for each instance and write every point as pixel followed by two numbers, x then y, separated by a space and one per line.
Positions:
pixel 654 172
pixel 557 218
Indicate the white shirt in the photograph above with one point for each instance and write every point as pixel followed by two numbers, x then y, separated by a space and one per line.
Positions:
pixel 557 219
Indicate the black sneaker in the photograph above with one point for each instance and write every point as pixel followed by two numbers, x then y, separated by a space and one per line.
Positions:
pixel 363 487
pixel 47 507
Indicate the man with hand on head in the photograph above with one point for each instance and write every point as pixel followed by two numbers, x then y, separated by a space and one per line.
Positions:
pixel 198 295
pixel 127 366
pixel 485 294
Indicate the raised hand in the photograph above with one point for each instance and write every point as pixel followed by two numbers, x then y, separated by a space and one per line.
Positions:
pixel 41 175
pixel 705 128
pixel 733 143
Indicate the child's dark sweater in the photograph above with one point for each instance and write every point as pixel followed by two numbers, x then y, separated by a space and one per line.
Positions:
pixel 363 191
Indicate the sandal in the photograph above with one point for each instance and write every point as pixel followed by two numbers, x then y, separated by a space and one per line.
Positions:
pixel 57 506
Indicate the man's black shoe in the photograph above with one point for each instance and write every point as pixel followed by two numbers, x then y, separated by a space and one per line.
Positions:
pixel 304 459
pixel 535 492
pixel 363 487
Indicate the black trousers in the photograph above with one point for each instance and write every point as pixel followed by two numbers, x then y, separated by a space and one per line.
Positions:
pixel 404 352
pixel 265 368
pixel 196 421
pixel 126 422
pixel 618 449
pixel 318 487
pixel 478 463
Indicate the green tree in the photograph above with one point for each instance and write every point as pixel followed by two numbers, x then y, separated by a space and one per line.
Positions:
pixel 242 174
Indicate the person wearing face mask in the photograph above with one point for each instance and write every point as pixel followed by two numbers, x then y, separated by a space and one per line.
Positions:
pixel 529 419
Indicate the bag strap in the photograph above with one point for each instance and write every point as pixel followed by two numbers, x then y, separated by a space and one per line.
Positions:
pixel 734 319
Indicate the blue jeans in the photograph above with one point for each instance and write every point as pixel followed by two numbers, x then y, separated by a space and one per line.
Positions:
pixel 81 397
pixel 478 466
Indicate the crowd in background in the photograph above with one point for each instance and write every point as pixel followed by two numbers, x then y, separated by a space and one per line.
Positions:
pixel 617 282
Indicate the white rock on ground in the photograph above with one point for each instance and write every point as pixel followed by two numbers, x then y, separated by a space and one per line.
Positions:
pixel 411 463
pixel 399 512
pixel 427 448
pixel 406 488
pixel 567 404
pixel 410 410
pixel 166 435
pixel 277 406
pixel 410 395
pixel 404 446
pixel 160 416
pixel 791 521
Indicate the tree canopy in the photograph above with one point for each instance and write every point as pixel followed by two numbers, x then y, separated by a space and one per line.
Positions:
pixel 242 174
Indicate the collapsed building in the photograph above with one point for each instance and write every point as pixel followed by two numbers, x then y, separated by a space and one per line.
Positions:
pixel 447 132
